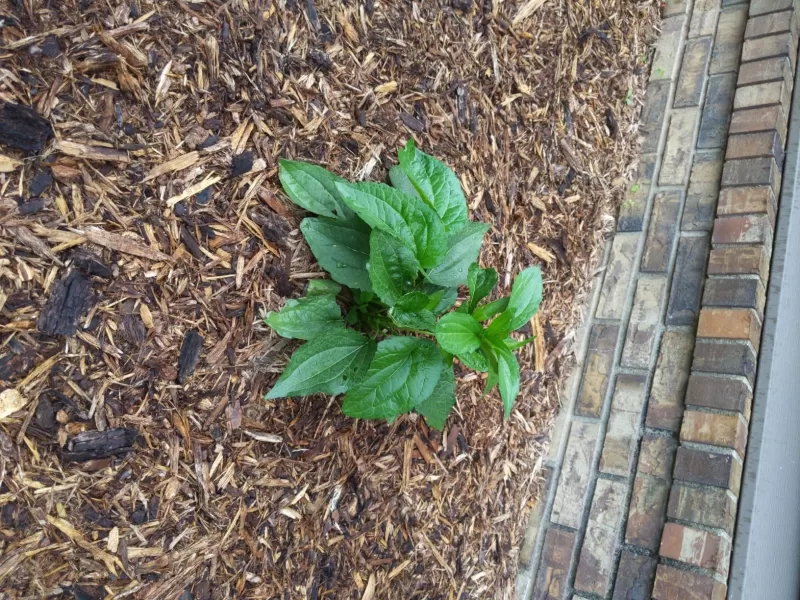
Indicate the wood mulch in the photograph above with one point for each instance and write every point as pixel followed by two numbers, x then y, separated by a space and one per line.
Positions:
pixel 143 235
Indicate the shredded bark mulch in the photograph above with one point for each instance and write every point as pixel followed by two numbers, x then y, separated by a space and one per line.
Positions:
pixel 143 233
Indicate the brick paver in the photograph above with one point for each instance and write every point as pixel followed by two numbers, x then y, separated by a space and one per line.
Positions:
pixel 646 482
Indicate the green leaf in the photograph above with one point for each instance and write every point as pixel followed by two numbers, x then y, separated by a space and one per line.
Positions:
pixel 401 181
pixel 414 301
pixel 392 266
pixel 481 282
pixel 328 364
pixel 507 375
pixel 405 217
pixel 321 287
pixel 499 329
pixel 341 248
pixel 458 333
pixel 526 295
pixel 313 188
pixel 487 311
pixel 462 250
pixel 436 184
pixel 445 301
pixel 438 405
pixel 513 344
pixel 306 318
pixel 419 320
pixel 475 360
pixel 403 374
pixel 491 381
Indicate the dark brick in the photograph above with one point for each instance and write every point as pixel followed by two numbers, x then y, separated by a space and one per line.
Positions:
pixel 674 584
pixel 551 580
pixel 777 68
pixel 647 510
pixel 710 506
pixel 779 22
pixel 719 392
pixel 751 145
pixel 727 358
pixel 760 119
pixel 661 232
pixel 732 293
pixel 717 111
pixel 652 119
pixel 698 214
pixel 602 341
pixel 687 284
pixel 635 576
pixel 631 213
pixel 741 260
pixel 708 468
pixel 752 171
pixel 693 72
pixel 728 41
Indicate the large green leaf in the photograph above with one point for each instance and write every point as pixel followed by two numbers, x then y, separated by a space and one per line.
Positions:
pixel 307 317
pixel 401 181
pixel 487 311
pixel 313 188
pixel 526 295
pixel 499 329
pixel 322 287
pixel 414 301
pixel 475 360
pixel 462 250
pixel 444 297
pixel 436 184
pixel 458 333
pixel 341 248
pixel 438 405
pixel 405 217
pixel 507 376
pixel 392 266
pixel 513 344
pixel 418 320
pixel 481 282
pixel 330 364
pixel 403 374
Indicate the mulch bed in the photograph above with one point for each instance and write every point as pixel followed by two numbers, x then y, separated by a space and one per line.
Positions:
pixel 143 235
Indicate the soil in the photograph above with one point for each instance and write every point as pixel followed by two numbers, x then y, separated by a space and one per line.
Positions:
pixel 142 237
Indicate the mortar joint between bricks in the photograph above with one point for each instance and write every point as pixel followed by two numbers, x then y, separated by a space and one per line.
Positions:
pixel 705 487
pixel 713 411
pixel 682 566
pixel 700 527
pixel 710 448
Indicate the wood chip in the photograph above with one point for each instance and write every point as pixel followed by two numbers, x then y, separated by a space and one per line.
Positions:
pixel 184 161
pixel 542 253
pixel 79 150
pixel 124 244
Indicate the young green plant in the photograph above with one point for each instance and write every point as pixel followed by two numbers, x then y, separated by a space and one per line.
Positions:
pixel 396 256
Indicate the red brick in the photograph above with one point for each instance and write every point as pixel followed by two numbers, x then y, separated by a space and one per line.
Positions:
pixel 674 584
pixel 713 429
pixel 634 577
pixel 709 506
pixel 742 229
pixel 708 468
pixel 731 324
pixel 752 171
pixel 742 260
pixel 735 293
pixel 777 68
pixel 551 580
pixel 602 342
pixel 646 512
pixel 726 358
pixel 711 391
pixel 744 200
pixel 751 145
pixel 760 119
pixel 696 547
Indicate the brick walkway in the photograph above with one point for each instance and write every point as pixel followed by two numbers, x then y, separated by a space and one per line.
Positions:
pixel 645 465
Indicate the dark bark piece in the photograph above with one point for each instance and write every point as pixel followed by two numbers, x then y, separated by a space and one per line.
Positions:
pixel 22 128
pixel 412 122
pixel 66 305
pixel 208 142
pixel 191 243
pixel 611 121
pixel 89 263
pixel 242 163
pixel 50 47
pixel 190 354
pixel 90 445
pixel 31 207
pixel 45 415
pixel 202 197
pixel 320 60
pixel 39 184
pixel 132 328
